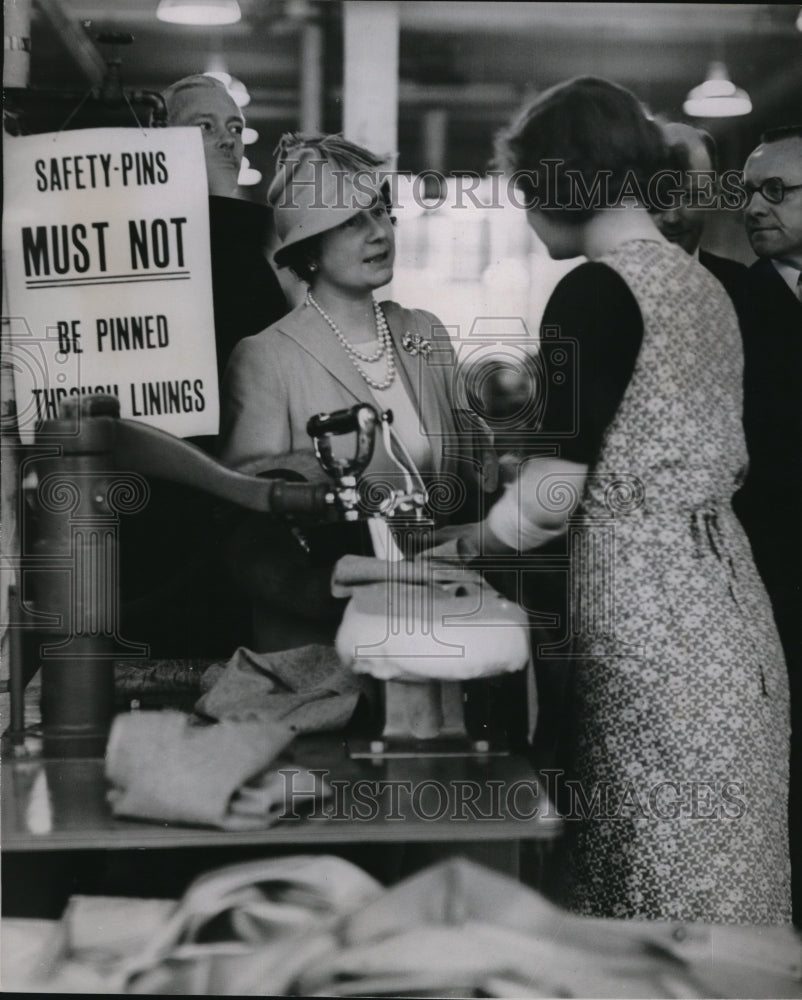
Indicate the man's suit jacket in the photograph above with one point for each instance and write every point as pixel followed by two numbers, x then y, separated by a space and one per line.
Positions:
pixel 246 293
pixel 770 504
pixel 733 275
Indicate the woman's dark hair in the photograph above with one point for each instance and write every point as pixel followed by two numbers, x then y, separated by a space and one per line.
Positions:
pixel 783 132
pixel 299 256
pixel 581 146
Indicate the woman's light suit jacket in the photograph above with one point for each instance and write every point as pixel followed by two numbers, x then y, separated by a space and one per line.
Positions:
pixel 297 368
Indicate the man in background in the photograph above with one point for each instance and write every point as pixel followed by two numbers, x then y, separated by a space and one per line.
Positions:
pixel 767 301
pixel 770 504
pixel 684 224
pixel 175 592
pixel 247 293
pixel 203 101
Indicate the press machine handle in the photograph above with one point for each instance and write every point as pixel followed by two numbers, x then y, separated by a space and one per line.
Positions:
pixel 360 419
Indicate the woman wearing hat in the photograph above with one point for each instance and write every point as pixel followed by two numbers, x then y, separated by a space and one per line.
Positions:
pixel 341 346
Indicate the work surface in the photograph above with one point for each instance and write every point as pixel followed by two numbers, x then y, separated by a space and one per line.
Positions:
pixel 61 804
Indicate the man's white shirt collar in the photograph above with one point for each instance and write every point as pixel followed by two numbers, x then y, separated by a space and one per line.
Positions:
pixel 788 273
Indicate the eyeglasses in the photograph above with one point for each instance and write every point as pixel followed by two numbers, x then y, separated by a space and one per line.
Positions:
pixel 773 190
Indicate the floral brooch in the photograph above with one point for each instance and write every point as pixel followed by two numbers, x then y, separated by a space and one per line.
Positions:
pixel 414 344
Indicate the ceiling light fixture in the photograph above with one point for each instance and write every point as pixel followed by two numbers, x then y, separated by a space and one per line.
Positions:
pixel 239 93
pixel 717 97
pixel 200 12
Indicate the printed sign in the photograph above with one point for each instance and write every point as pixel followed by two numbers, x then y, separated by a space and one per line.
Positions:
pixel 107 262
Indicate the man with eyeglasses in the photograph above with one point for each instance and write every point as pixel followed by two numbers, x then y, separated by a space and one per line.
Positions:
pixel 770 504
pixel 773 211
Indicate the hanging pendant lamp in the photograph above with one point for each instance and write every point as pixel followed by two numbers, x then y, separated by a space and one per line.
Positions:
pixel 208 13
pixel 717 97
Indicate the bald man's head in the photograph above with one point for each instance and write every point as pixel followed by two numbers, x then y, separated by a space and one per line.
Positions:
pixel 695 149
pixel 204 101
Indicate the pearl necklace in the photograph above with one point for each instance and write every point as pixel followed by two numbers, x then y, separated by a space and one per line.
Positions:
pixel 385 344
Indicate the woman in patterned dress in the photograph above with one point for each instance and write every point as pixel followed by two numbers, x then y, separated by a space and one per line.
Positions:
pixel 679 703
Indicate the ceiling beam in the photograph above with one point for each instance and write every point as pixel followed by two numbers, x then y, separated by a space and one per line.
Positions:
pixel 665 21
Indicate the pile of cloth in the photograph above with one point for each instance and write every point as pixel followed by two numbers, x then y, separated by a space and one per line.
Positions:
pixel 319 926
pixel 222 765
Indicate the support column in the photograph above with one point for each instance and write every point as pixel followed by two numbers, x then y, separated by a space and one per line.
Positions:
pixel 16 42
pixel 370 84
pixel 16 73
pixel 434 135
pixel 311 117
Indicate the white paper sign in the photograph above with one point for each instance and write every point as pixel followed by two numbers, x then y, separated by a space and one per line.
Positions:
pixel 106 254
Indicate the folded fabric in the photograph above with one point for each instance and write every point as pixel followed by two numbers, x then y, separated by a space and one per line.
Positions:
pixel 230 970
pixel 105 929
pixel 458 926
pixel 352 572
pixel 458 891
pixel 32 951
pixel 261 923
pixel 433 958
pixel 455 550
pixel 164 767
pixel 421 620
pixel 308 689
pixel 319 927
pixel 264 899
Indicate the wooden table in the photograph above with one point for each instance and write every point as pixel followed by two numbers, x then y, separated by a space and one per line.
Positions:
pixel 55 815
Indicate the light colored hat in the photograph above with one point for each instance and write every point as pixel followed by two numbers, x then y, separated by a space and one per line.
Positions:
pixel 312 193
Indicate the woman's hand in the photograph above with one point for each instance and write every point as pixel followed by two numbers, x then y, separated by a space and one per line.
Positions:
pixel 535 507
pixel 465 542
pixel 455 543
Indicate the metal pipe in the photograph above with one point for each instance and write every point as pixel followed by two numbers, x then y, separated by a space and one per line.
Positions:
pixel 16 670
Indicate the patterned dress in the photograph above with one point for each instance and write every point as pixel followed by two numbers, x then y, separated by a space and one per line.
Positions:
pixel 680 687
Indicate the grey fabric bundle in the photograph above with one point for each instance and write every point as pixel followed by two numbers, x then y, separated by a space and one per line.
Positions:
pixel 308 689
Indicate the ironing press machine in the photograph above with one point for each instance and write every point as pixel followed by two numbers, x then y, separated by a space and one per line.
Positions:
pixel 419 639
pixel 422 627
